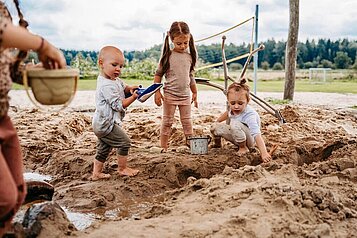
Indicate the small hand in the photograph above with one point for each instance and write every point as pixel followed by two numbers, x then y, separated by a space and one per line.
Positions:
pixel 134 93
pixel 195 104
pixel 194 100
pixel 51 57
pixel 266 158
pixel 158 98
pixel 134 88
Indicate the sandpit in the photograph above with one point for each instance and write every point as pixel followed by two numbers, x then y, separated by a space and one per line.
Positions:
pixel 308 190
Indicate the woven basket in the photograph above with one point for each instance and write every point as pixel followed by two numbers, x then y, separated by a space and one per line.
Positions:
pixel 51 87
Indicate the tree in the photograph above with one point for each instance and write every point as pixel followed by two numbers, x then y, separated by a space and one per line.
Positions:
pixel 278 66
pixel 32 57
pixel 291 50
pixel 265 65
pixel 85 65
pixel 342 61
pixel 326 63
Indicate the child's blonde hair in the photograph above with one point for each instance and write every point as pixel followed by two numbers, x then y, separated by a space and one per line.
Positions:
pixel 236 87
pixel 177 28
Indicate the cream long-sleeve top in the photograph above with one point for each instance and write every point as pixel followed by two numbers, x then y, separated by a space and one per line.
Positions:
pixel 109 108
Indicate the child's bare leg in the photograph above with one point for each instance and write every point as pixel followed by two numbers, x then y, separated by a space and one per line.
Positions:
pixel 164 142
pixel 185 118
pixel 167 120
pixel 97 171
pixel 243 149
pixel 123 169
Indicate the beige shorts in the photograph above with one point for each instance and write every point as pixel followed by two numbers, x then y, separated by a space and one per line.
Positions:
pixel 236 133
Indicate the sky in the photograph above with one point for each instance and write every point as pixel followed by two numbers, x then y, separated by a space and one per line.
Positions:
pixel 141 24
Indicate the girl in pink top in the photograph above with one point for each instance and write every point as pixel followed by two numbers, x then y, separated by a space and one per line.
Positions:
pixel 177 65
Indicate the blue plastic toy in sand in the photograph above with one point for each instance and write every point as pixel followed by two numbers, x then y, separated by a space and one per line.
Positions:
pixel 145 93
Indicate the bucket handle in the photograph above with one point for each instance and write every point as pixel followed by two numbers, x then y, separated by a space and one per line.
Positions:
pixel 38 105
pixel 208 137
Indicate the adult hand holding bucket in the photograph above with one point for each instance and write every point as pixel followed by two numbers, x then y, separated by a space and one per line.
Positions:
pixel 54 84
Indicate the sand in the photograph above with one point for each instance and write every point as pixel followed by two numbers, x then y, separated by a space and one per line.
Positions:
pixel 308 190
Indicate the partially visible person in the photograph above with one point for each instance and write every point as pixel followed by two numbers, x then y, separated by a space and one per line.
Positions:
pixel 243 129
pixel 177 65
pixel 12 185
pixel 110 110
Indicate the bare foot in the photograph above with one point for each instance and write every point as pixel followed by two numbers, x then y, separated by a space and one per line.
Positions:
pixel 96 177
pixel 243 150
pixel 128 172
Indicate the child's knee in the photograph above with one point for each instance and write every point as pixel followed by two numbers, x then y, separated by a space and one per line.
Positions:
pixel 167 122
pixel 187 124
pixel 166 127
pixel 220 129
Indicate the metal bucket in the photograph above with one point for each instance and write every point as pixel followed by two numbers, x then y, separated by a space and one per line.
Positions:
pixel 199 144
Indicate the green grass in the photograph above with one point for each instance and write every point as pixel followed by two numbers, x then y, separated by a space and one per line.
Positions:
pixel 300 86
pixel 306 86
pixel 262 86
pixel 278 101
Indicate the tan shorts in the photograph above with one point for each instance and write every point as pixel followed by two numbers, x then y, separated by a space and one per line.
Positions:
pixel 236 133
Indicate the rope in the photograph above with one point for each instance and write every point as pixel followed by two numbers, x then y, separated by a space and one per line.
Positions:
pixel 209 37
pixel 235 58
pixel 221 63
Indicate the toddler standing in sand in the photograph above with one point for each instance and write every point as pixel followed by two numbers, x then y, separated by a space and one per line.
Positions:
pixel 177 65
pixel 244 122
pixel 110 111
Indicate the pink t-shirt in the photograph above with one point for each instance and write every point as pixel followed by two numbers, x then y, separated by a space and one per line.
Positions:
pixel 178 79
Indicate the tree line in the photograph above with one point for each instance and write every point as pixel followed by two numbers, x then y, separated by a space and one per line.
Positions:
pixel 325 53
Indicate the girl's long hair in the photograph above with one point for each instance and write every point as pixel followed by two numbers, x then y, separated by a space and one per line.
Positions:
pixel 176 29
pixel 22 21
pixel 15 72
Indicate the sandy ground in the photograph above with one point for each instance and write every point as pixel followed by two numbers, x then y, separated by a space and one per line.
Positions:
pixel 85 99
pixel 308 190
